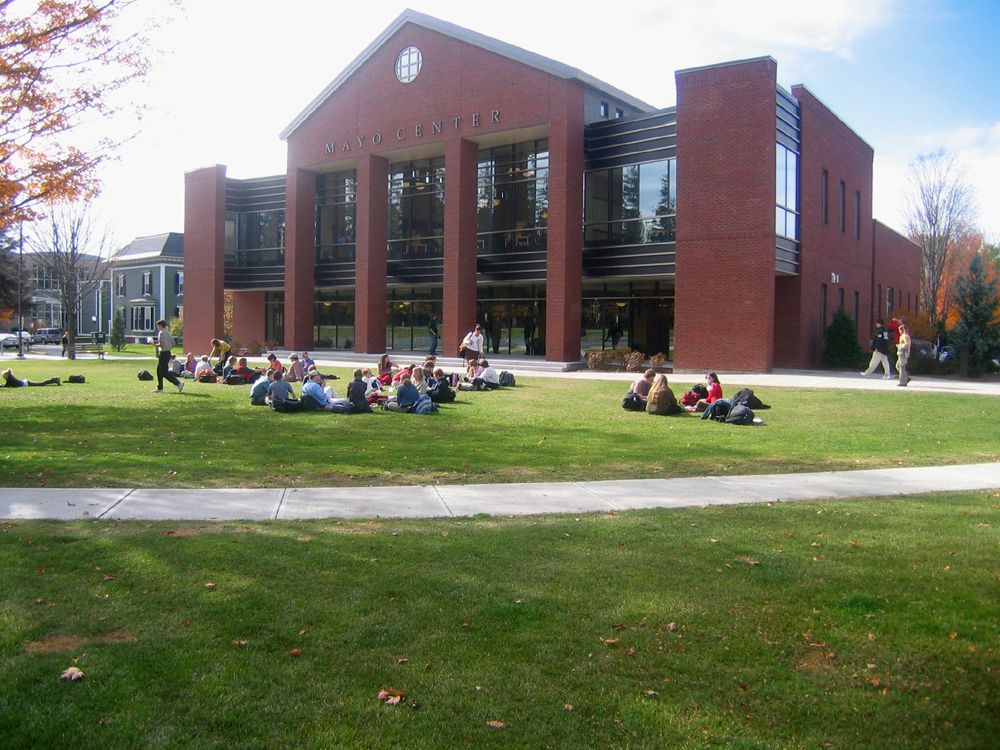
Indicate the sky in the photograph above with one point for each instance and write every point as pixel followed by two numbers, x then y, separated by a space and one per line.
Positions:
pixel 228 76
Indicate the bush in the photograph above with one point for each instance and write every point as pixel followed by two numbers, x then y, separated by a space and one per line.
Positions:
pixel 117 339
pixel 597 359
pixel 658 361
pixel 842 349
pixel 635 362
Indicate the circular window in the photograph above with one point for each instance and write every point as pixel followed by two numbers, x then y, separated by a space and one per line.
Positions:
pixel 408 64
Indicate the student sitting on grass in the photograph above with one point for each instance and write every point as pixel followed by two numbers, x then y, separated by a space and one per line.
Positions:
pixel 258 391
pixel 242 369
pixel 406 396
pixel 714 394
pixel 230 368
pixel 204 372
pixel 356 394
pixel 661 399
pixel 487 379
pixel 313 395
pixel 279 390
pixel 295 370
pixel 440 391
pixel 418 380
pixel 10 381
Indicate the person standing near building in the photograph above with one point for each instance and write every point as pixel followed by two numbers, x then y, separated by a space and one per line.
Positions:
pixel 880 350
pixel 65 343
pixel 473 343
pixel 903 354
pixel 432 331
pixel 164 343
pixel 529 335
pixel 220 349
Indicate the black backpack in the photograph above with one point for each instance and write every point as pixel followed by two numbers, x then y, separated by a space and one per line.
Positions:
pixel 441 392
pixel 286 405
pixel 746 397
pixel 633 402
pixel 145 375
pixel 507 379
pixel 700 390
pixel 76 379
pixel 739 414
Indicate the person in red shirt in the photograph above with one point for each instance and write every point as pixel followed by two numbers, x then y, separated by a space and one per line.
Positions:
pixel 714 393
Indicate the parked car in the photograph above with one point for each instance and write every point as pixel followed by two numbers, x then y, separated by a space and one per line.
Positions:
pixel 48 336
pixel 9 340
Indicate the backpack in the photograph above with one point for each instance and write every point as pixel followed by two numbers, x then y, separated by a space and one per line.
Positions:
pixel 207 377
pixel 700 390
pixel 507 379
pixel 720 410
pixel 145 375
pixel 689 398
pixel 746 397
pixel 423 405
pixel 76 379
pixel 739 414
pixel 286 406
pixel 234 379
pixel 633 402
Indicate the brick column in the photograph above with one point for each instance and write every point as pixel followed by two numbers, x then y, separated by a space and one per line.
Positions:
pixel 204 255
pixel 370 259
pixel 725 272
pixel 564 272
pixel 300 258
pixel 459 294
pixel 248 318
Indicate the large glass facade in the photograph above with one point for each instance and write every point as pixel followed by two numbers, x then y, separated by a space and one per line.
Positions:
pixel 513 202
pixel 639 315
pixel 333 319
pixel 255 238
pixel 336 204
pixel 416 209
pixel 786 212
pixel 409 311
pixel 513 318
pixel 631 205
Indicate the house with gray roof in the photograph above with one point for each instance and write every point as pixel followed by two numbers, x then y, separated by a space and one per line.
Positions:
pixel 147 282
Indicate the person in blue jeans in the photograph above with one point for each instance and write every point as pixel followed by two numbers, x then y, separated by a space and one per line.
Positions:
pixel 432 330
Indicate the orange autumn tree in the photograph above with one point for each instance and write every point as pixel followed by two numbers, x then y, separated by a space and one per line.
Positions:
pixel 60 63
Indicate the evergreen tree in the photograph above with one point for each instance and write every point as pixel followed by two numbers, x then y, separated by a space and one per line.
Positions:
pixel 118 331
pixel 976 336
pixel 842 349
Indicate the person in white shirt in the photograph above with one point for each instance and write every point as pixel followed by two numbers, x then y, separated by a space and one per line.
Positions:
pixel 473 343
pixel 488 379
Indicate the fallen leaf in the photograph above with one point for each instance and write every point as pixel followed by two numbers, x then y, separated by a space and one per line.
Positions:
pixel 495 724
pixel 303 631
pixel 672 626
pixel 714 541
pixel 390 696
pixel 210 586
pixel 110 578
pixel 294 652
pixel 241 643
pixel 465 625
pixel 651 693
pixel 185 623
pixel 568 707
pixel 953 635
pixel 751 561
pixel 73 674
pixel 611 641
pixel 402 661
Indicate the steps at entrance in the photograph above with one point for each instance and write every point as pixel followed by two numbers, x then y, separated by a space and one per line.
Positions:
pixel 499 362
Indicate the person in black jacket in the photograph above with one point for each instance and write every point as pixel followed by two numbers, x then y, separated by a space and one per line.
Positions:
pixel 356 390
pixel 880 350
pixel 440 390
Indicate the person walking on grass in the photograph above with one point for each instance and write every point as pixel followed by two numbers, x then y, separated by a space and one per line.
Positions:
pixel 164 343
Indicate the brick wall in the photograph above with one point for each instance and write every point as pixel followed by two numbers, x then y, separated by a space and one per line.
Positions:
pixel 248 318
pixel 897 267
pixel 838 259
pixel 300 258
pixel 724 309
pixel 204 247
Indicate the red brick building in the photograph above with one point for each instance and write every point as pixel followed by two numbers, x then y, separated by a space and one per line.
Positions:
pixel 447 173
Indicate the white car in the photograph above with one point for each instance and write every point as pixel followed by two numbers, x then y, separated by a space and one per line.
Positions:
pixel 9 340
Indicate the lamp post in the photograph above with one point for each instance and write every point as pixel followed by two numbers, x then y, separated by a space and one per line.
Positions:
pixel 20 274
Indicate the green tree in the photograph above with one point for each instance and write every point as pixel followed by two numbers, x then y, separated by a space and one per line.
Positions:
pixel 976 336
pixel 842 349
pixel 118 331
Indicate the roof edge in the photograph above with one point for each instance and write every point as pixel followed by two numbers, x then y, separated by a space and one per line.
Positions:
pixel 518 54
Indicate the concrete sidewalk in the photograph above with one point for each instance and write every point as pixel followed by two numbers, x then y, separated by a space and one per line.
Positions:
pixel 449 501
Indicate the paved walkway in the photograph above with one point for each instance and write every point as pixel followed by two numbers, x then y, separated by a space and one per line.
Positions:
pixel 448 501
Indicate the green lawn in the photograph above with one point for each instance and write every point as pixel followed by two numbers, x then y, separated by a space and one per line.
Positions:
pixel 112 431
pixel 849 624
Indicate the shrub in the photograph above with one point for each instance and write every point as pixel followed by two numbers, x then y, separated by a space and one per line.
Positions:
pixel 634 362
pixel 118 331
pixel 842 348
pixel 597 359
pixel 658 361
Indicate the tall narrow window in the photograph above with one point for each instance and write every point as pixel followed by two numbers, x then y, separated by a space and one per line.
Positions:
pixel 822 310
pixel 857 215
pixel 825 197
pixel 147 282
pixel 786 219
pixel 604 109
pixel 843 206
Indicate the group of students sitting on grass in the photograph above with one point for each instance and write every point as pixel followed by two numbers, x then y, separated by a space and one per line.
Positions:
pixel 651 393
pixel 418 389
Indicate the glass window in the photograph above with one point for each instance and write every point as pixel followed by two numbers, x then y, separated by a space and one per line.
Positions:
pixel 147 282
pixel 630 205
pixel 179 282
pixel 408 64
pixel 604 109
pixel 786 192
pixel 416 208
pixel 142 318
pixel 513 206
pixel 336 206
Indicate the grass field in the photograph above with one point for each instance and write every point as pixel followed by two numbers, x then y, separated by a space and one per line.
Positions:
pixel 113 431
pixel 849 624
